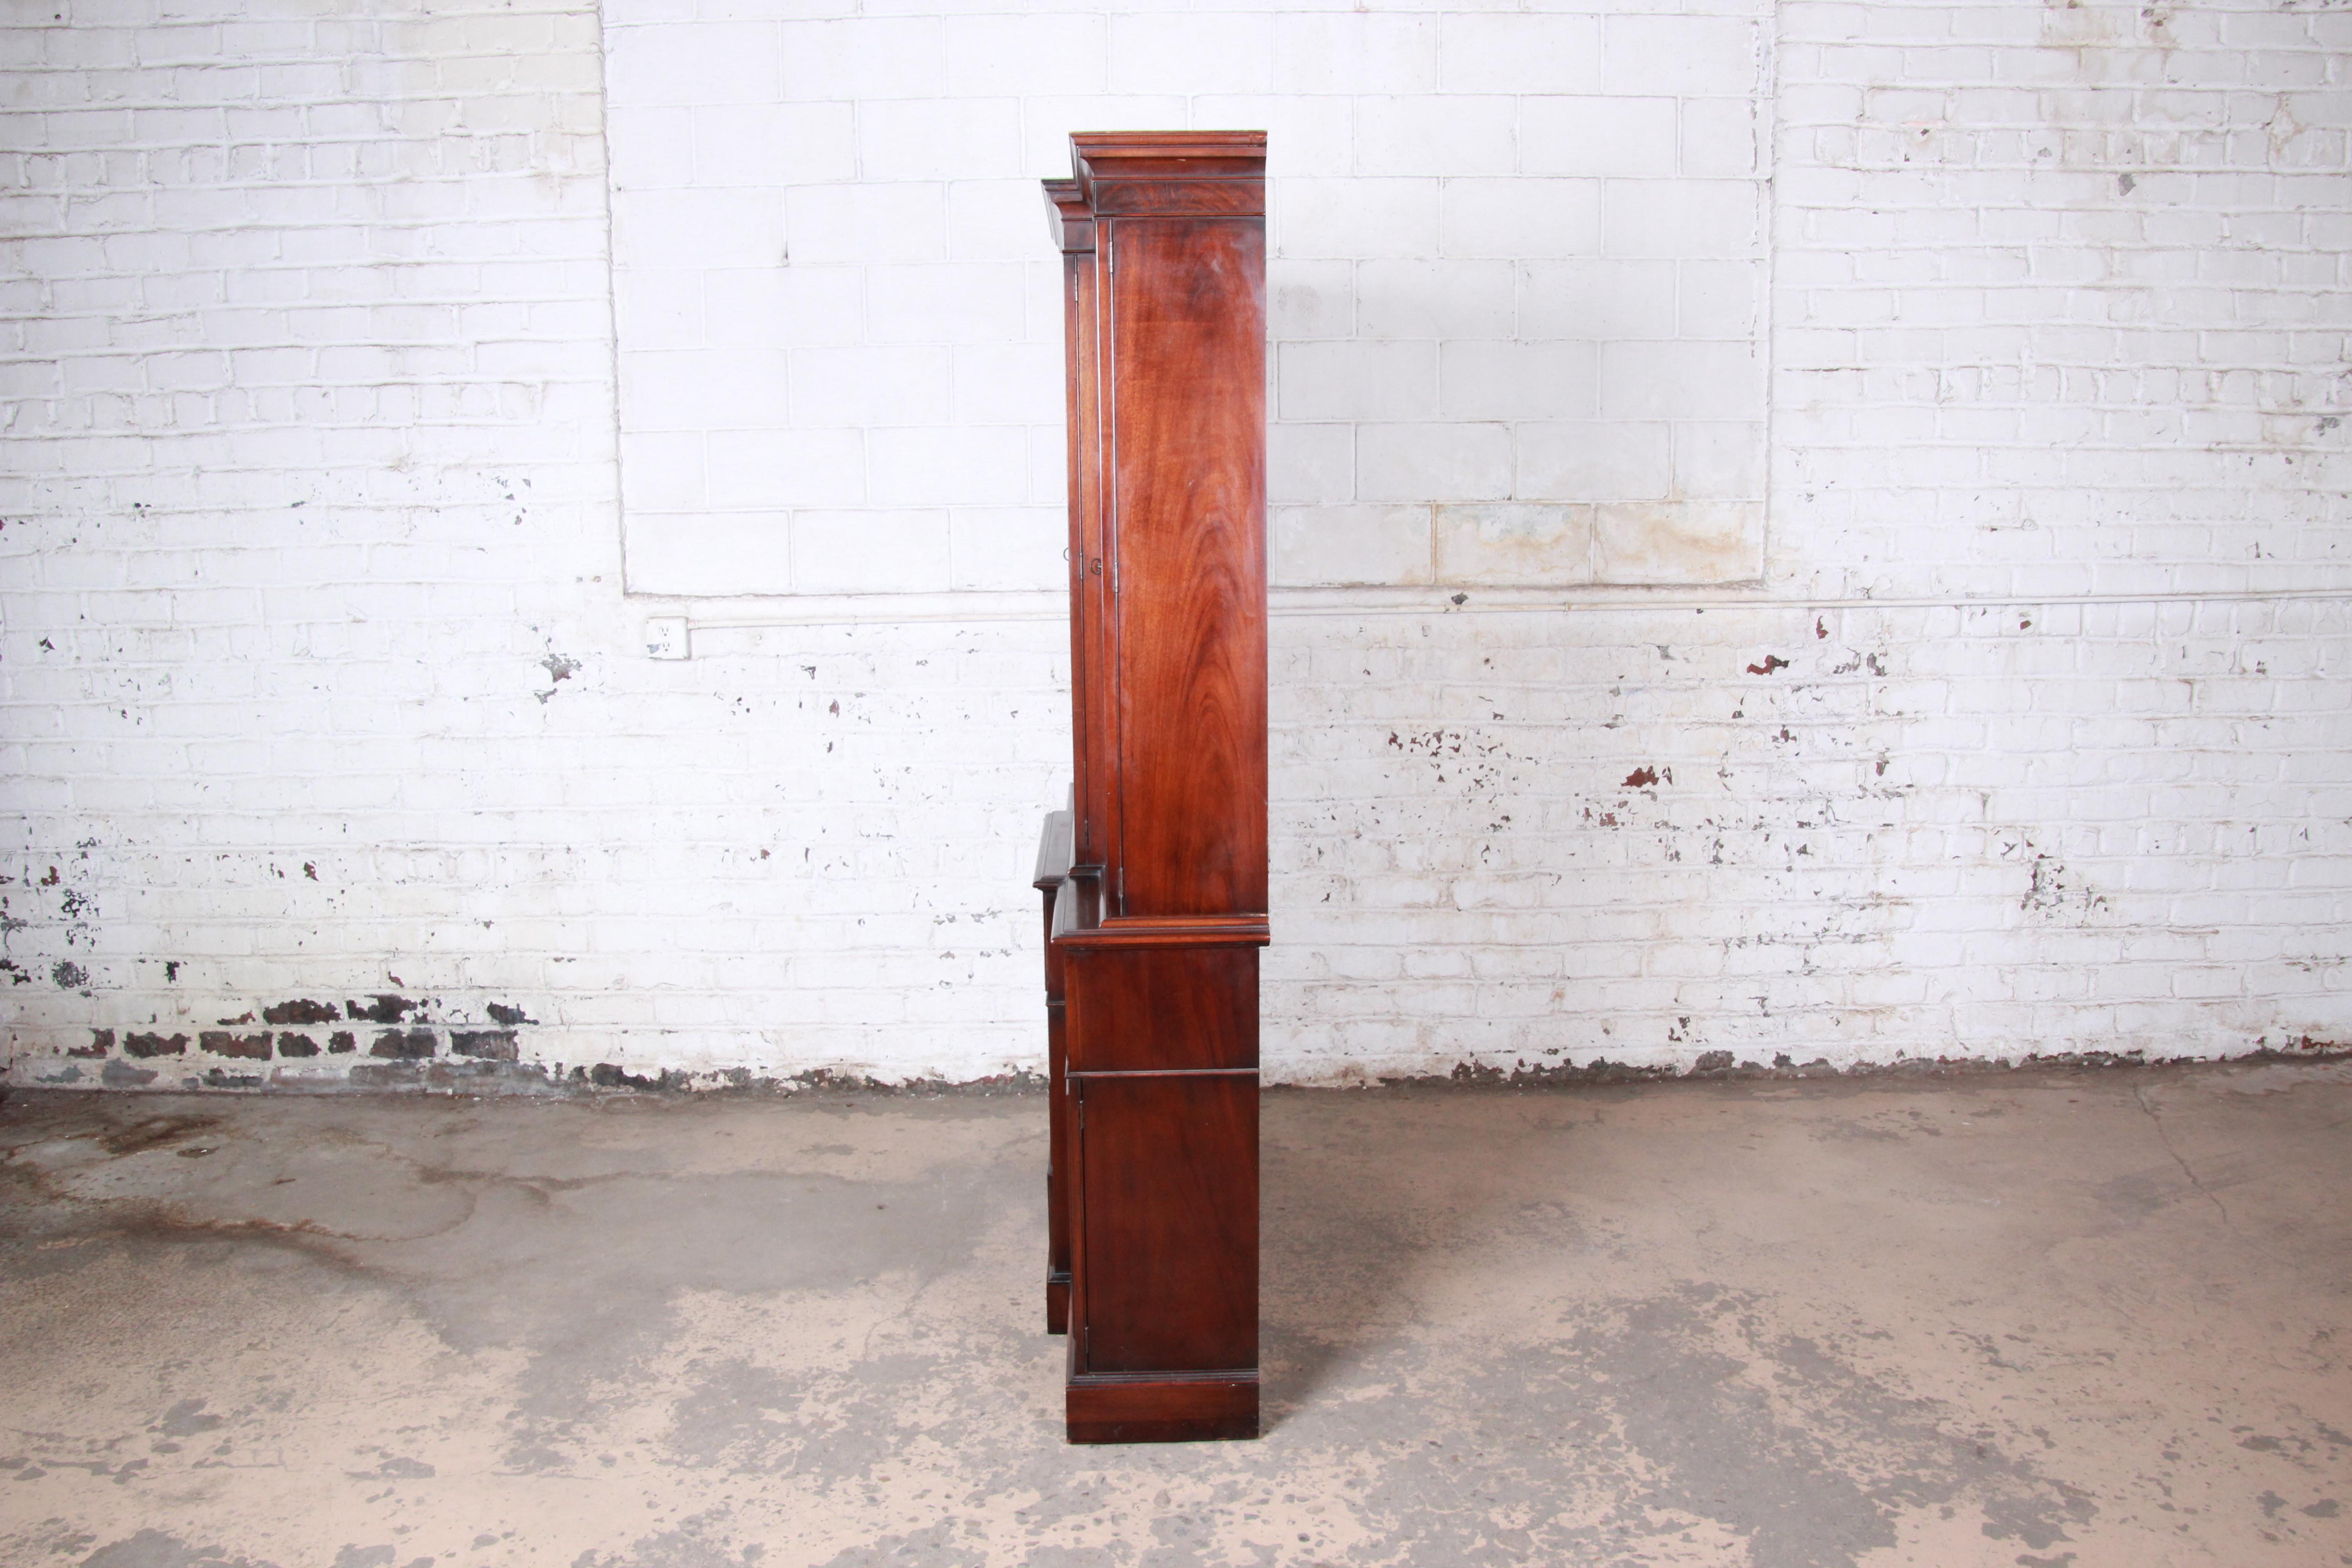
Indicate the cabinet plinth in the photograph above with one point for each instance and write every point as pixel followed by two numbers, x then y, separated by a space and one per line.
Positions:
pixel 1154 879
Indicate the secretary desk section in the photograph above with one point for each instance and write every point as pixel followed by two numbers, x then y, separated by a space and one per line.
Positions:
pixel 1154 880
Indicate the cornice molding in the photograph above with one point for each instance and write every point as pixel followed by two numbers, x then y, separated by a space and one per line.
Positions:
pixel 1170 173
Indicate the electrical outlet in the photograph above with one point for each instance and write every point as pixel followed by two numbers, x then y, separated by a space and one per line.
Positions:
pixel 665 637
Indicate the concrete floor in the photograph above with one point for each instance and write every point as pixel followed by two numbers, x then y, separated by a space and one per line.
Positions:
pixel 2091 1318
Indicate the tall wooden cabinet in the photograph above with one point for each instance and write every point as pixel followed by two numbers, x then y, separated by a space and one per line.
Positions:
pixel 1154 879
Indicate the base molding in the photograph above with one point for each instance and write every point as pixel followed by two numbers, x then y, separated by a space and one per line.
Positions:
pixel 1162 1408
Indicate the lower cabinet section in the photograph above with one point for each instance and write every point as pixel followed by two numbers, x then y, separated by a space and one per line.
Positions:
pixel 1164 1239
pixel 1168 1186
pixel 1152 1180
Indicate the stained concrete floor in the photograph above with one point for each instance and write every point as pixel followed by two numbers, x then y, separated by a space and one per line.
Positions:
pixel 2093 1318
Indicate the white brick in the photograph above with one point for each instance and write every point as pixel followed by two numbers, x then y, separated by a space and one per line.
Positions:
pixel 774 471
pixel 1310 463
pixel 1681 381
pixel 994 220
pixel 865 58
pixel 990 57
pixel 1351 52
pixel 1356 380
pixel 1676 218
pixel 1007 549
pixel 1499 52
pixel 1516 380
pixel 871 386
pixel 663 472
pixel 772 144
pixel 1514 545
pixel 783 307
pixel 916 466
pixel 1432 461
pixel 996 384
pixel 1337 545
pixel 1587 461
pixel 680 66
pixel 1433 299
pixel 1721 139
pixel 681 553
pixel 939 139
pixel 1435 135
pixel 1719 461
pixel 1597 301
pixel 1193 52
pixel 1679 542
pixel 653 148
pixel 1721 300
pixel 1310 299
pixel 697 389
pixel 870 551
pixel 866 224
pixel 683 229
pixel 1351 219
pixel 1520 217
pixel 659 309
pixel 1683 56
pixel 1621 136
pixel 970 302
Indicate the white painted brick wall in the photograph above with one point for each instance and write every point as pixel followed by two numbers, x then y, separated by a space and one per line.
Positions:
pixel 1981 832
pixel 1435 179
pixel 317 681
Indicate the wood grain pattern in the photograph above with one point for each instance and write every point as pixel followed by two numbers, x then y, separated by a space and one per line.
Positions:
pixel 1167 1184
pixel 1188 407
pixel 1086 553
pixel 1124 198
pixel 1153 1008
pixel 1156 911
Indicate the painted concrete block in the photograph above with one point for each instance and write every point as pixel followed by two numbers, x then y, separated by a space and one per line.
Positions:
pixel 1515 545
pixel 1316 546
pixel 1678 542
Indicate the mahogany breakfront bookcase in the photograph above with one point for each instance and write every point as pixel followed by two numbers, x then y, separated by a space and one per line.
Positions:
pixel 1154 879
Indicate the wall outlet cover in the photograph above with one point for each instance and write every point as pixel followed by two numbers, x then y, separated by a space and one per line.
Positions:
pixel 665 637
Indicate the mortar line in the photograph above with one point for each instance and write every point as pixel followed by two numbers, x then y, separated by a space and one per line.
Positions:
pixel 1279 611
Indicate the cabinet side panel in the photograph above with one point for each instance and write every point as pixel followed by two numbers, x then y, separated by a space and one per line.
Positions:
pixel 1169 1237
pixel 1188 320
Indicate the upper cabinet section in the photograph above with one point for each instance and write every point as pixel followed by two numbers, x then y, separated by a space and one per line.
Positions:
pixel 1166 342
pixel 1184 250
